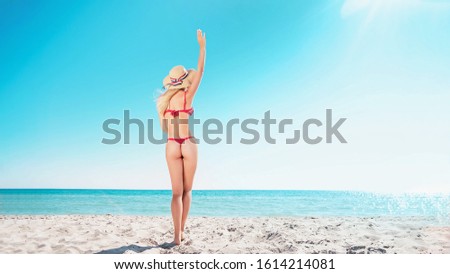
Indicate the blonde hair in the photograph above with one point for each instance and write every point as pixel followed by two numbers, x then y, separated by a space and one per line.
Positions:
pixel 163 100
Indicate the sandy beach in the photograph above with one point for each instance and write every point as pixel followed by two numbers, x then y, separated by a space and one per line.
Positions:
pixel 143 234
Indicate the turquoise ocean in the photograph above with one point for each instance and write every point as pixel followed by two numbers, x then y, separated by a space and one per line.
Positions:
pixel 223 203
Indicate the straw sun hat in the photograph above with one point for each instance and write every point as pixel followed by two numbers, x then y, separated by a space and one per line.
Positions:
pixel 178 78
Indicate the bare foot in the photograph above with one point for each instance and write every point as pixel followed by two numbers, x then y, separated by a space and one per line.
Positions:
pixel 177 240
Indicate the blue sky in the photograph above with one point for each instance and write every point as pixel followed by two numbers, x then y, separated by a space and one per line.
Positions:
pixel 383 65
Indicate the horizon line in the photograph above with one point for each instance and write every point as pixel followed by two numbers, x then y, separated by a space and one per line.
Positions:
pixel 310 190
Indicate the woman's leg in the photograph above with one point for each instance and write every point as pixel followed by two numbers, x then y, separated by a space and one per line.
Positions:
pixel 175 164
pixel 189 152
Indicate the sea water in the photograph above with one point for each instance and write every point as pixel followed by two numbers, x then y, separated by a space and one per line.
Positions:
pixel 223 203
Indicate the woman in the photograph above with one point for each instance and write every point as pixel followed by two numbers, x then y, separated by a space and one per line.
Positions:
pixel 174 106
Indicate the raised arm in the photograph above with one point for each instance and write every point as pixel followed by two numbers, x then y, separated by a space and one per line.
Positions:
pixel 201 37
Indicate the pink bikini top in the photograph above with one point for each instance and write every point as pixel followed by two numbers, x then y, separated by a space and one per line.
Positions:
pixel 176 112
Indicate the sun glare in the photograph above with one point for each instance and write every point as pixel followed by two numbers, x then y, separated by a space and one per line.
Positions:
pixel 374 7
